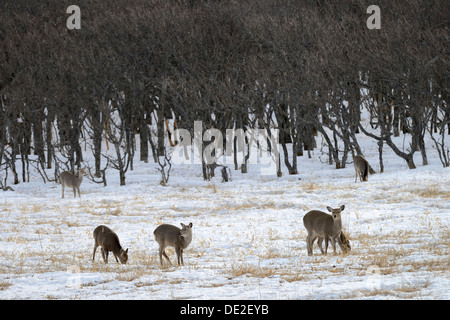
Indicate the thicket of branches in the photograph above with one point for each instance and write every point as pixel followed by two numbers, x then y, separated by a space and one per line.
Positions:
pixel 304 67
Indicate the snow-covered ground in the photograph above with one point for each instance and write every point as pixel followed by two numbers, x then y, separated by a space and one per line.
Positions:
pixel 249 239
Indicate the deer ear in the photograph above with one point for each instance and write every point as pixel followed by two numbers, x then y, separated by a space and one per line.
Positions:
pixel 183 225
pixel 342 207
pixel 330 209
pixel 190 225
pixel 126 251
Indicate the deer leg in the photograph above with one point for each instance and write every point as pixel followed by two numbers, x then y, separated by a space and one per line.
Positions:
pixel 309 240
pixel 307 245
pixel 319 243
pixel 333 243
pixel 95 249
pixel 314 240
pixel 161 253
pixel 105 255
pixel 179 252
pixel 340 243
pixel 160 256
pixel 166 256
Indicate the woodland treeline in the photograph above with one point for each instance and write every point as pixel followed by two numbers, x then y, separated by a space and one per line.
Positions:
pixel 307 68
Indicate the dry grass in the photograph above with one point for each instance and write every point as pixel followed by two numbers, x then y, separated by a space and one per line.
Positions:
pixel 430 191
pixel 295 276
pixel 131 274
pixel 240 269
pixel 309 187
pixel 4 285
pixel 405 193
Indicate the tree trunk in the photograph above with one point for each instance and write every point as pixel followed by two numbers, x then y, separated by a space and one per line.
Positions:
pixel 143 133
pixel 380 155
pixel 97 140
pixel 48 140
pixel 38 142
pixel 160 133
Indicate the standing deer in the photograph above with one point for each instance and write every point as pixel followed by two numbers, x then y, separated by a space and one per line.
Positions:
pixel 361 168
pixel 322 225
pixel 168 235
pixel 109 241
pixel 71 180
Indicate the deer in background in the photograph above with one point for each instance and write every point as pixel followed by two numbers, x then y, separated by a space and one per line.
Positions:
pixel 361 168
pixel 71 180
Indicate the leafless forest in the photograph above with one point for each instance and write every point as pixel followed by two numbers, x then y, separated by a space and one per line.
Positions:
pixel 307 68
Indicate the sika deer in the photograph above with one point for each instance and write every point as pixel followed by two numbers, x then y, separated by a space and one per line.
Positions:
pixel 361 168
pixel 322 225
pixel 109 241
pixel 168 235
pixel 71 180
pixel 345 246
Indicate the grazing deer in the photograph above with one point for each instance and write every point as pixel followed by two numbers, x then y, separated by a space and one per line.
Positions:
pixel 109 241
pixel 345 247
pixel 361 168
pixel 71 180
pixel 168 235
pixel 322 225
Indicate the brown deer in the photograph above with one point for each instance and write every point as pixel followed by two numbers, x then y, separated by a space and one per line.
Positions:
pixel 71 180
pixel 361 168
pixel 109 241
pixel 168 235
pixel 322 225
